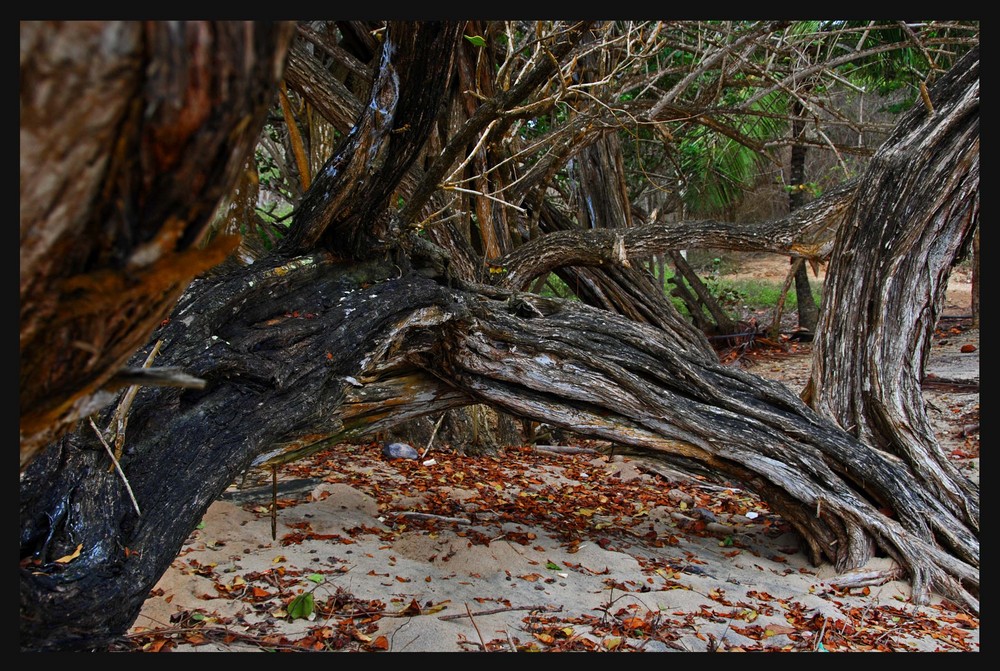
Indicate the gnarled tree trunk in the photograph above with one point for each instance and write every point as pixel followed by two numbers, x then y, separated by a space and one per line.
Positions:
pixel 122 167
pixel 915 213
pixel 306 348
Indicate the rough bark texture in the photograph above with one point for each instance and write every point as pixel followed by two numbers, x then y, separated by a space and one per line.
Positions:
pixel 353 188
pixel 302 351
pixel 419 350
pixel 122 165
pixel 807 232
pixel 915 214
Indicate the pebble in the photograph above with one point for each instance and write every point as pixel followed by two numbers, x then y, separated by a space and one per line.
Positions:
pixel 399 451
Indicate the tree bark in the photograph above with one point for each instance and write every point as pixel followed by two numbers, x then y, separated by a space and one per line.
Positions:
pixel 916 212
pixel 337 345
pixel 421 349
pixel 134 167
pixel 805 303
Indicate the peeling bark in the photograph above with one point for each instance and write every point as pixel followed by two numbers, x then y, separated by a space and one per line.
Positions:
pixel 121 169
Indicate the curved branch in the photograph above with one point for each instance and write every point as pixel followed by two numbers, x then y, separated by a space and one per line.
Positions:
pixel 807 232
pixel 347 204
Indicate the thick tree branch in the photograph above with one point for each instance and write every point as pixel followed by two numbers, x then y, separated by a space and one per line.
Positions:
pixel 807 232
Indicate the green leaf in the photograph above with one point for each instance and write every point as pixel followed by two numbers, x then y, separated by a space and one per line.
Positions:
pixel 315 577
pixel 476 40
pixel 201 525
pixel 552 565
pixel 301 606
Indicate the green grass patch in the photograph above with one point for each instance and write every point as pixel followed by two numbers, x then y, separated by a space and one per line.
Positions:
pixel 735 296
pixel 757 294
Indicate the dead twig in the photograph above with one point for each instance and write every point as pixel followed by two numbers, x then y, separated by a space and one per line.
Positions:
pixel 274 502
pixel 819 639
pixel 476 627
pixel 119 420
pixel 431 516
pixel 433 434
pixel 117 466
pixel 492 611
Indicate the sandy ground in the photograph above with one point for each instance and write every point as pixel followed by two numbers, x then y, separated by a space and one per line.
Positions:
pixel 538 550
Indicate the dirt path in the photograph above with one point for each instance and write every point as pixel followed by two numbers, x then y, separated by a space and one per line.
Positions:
pixel 539 551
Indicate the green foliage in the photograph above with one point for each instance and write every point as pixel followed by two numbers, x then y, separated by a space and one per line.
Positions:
pixel 301 607
pixel 814 189
pixel 556 288
pixel 717 170
pixel 755 294
pixel 476 40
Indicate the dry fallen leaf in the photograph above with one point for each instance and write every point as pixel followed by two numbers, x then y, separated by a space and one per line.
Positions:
pixel 70 557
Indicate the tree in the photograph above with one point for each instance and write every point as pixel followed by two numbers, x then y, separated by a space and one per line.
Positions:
pixel 376 307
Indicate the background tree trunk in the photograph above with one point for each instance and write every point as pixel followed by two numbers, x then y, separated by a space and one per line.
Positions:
pixel 806 305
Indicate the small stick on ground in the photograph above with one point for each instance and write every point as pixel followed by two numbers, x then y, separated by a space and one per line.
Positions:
pixel 274 502
pixel 431 516
pixel 476 627
pixel 492 611
pixel 433 433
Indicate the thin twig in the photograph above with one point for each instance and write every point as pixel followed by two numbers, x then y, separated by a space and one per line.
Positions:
pixel 119 420
pixel 476 626
pixel 117 466
pixel 484 195
pixel 274 502
pixel 492 611
pixel 433 433
pixel 431 516
pixel 819 640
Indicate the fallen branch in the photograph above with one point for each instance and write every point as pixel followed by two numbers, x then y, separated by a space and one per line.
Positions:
pixel 492 611
pixel 430 516
pixel 932 381
pixel 565 449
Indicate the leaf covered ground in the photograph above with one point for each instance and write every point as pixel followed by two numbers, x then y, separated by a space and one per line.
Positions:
pixel 535 550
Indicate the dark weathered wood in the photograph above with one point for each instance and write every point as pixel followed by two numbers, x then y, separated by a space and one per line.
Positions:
pixel 347 209
pixel 302 351
pixel 420 350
